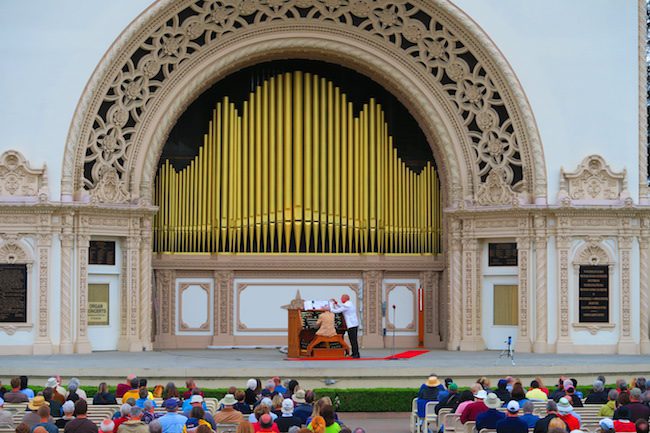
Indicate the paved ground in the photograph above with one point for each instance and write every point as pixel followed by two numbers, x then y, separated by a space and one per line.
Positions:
pixel 378 422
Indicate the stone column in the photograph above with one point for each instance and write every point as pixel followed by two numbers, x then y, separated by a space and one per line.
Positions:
pixel 82 344
pixel 471 314
pixel 523 253
pixel 541 286
pixel 146 302
pixel 429 281
pixel 131 290
pixel 65 311
pixel 43 343
pixel 223 308
pixel 163 317
pixel 644 284
pixel 455 286
pixel 372 325
pixel 626 344
pixel 564 343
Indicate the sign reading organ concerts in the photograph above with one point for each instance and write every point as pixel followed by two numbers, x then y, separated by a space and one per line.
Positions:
pixel 13 293
pixel 593 287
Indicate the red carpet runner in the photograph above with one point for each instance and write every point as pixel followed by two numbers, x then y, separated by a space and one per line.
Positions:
pixel 402 355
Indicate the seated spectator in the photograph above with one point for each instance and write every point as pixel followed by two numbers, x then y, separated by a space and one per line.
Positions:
pixel 451 401
pixel 68 414
pixel 518 394
pixel 557 426
pixel 198 414
pixel 535 393
pixel 55 406
pixel 144 396
pixel 429 391
pixel 122 388
pixel 148 412
pixel 287 419
pixel 103 396
pixel 502 392
pixel 606 425
pixel 565 410
pixel 134 424
pixel 134 392
pixel 195 400
pixel 72 393
pixel 190 384
pixel 32 418
pixel 301 408
pixel 541 426
pixel 228 414
pixel 155 427
pixel 638 410
pixel 473 410
pixel 559 390
pixel 444 392
pixel 541 385
pixel 574 381
pixel 512 423
pixel 573 397
pixel 484 382
pixel 598 395
pixel 331 426
pixel 318 407
pixel 46 420
pixel 276 401
pixel 15 396
pixel 75 384
pixel 241 405
pixel 81 423
pixel 623 400
pixel 121 416
pixel 528 416
pixel 278 385
pixel 24 388
pixel 490 417
pixel 245 427
pixel 641 383
pixel 266 424
pixel 172 422
pixel 171 391
pixel 6 417
pixel 107 426
pixel 58 392
pixel 317 425
pixel 266 406
pixel 466 398
pixel 623 423
pixel 641 424
pixel 607 410
pixel 269 390
pixel 253 389
pixel 292 387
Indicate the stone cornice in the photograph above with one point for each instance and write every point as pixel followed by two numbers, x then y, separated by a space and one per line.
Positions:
pixel 550 211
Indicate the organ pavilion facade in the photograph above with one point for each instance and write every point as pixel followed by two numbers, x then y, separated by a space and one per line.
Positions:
pixel 465 170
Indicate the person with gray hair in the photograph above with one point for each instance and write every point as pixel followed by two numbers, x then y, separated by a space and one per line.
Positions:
pixel 6 418
pixel 68 414
pixel 541 426
pixel 155 426
pixel 134 424
pixel 528 416
pixel 607 410
pixel 638 410
pixel 125 411
pixel 149 414
pixel 76 384
pixel 598 395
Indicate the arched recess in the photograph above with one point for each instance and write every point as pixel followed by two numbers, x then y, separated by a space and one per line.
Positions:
pixel 432 56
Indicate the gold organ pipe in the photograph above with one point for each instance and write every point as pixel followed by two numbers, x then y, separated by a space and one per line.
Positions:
pixel 297 170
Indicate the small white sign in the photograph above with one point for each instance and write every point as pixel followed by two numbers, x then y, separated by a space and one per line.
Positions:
pixel 316 305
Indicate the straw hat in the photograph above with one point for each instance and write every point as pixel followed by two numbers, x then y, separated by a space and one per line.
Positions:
pixel 433 381
pixel 37 402
pixel 492 401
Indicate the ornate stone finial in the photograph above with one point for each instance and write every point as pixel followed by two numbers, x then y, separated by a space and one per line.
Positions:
pixel 110 188
pixel 593 182
pixel 495 190
pixel 19 181
pixel 296 303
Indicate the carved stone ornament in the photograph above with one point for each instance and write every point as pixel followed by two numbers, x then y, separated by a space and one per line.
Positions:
pixel 592 253
pixel 110 188
pixel 296 303
pixel 495 190
pixel 593 182
pixel 18 181
pixel 11 251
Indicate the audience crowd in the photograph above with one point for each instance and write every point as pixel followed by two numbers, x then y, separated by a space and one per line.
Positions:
pixel 509 408
pixel 270 407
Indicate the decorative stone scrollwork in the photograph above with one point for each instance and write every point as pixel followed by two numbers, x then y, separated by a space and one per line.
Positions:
pixel 11 251
pixel 110 188
pixel 495 190
pixel 593 181
pixel 592 253
pixel 19 181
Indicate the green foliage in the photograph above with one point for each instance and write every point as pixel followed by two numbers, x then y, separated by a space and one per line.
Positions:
pixel 370 400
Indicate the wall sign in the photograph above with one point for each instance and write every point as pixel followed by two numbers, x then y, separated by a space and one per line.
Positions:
pixel 98 304
pixel 101 253
pixel 593 288
pixel 502 254
pixel 13 293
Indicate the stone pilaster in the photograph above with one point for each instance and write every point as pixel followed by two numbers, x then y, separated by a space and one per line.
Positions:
pixel 644 284
pixel 66 313
pixel 372 329
pixel 541 286
pixel 82 344
pixel 564 343
pixel 471 311
pixel 223 311
pixel 145 284
pixel 626 344
pixel 432 307
pixel 43 342
pixel 132 320
pixel 524 337
pixel 455 286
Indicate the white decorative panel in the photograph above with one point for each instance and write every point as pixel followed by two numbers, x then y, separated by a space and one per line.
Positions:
pixel 401 293
pixel 259 301
pixel 194 306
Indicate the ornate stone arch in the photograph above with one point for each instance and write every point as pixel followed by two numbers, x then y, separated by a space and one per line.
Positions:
pixel 436 60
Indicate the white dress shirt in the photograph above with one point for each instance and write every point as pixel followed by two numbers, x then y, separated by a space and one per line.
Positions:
pixel 349 312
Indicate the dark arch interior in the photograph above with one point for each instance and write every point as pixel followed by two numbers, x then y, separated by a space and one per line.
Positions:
pixel 187 135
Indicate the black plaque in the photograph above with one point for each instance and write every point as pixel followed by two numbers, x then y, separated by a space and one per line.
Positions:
pixel 101 253
pixel 593 288
pixel 502 254
pixel 13 293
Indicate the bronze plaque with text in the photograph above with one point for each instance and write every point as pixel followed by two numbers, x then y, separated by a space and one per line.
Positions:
pixel 502 254
pixel 593 288
pixel 13 293
pixel 101 253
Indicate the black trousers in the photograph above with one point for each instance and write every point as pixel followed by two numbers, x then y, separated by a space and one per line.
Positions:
pixel 352 334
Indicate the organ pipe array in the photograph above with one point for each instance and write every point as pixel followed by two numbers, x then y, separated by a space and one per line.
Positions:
pixel 297 171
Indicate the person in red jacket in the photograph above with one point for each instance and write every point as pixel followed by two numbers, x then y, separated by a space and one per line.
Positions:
pixel 565 409
pixel 623 423
pixel 473 410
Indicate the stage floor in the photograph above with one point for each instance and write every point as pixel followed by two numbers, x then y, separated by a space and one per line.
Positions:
pixel 225 367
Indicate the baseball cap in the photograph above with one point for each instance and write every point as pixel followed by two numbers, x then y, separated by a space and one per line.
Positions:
pixel 482 394
pixel 513 406
pixel 171 403
pixel 196 399
pixel 452 387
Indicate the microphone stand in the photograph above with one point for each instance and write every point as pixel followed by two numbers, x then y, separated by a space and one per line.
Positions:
pixel 392 357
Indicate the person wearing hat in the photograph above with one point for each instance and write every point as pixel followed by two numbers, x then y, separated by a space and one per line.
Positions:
pixel 490 417
pixel 429 391
pixel 6 418
pixel 565 410
pixel 197 401
pixel 512 423
pixel 288 419
pixel 473 410
pixel 172 422
pixel 606 425
pixel 59 392
pixel 192 401
pixel 301 408
pixel 228 415
pixel 32 418
pixel 451 400
pixel 570 394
